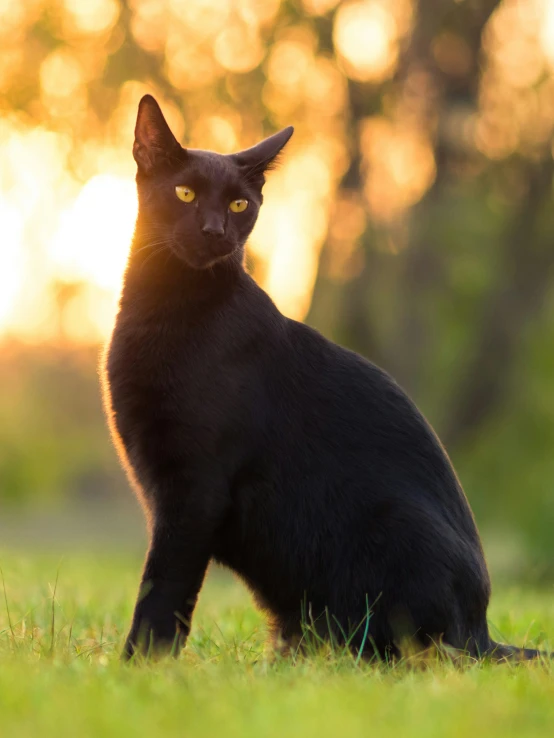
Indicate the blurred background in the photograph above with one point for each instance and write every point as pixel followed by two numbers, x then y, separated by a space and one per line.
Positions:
pixel 412 220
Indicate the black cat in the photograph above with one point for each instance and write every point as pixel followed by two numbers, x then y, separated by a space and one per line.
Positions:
pixel 254 441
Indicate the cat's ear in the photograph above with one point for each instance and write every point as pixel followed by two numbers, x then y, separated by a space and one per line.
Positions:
pixel 154 143
pixel 263 156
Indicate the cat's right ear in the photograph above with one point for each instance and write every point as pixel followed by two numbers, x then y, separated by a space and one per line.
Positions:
pixel 154 144
pixel 263 156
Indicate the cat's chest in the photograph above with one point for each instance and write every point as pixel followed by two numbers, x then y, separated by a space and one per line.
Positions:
pixel 180 400
pixel 156 373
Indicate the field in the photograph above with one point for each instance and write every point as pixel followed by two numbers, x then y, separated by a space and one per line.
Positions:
pixel 63 621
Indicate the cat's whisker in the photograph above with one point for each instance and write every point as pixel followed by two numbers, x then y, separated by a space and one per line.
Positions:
pixel 163 246
pixel 152 242
pixel 150 245
pixel 147 234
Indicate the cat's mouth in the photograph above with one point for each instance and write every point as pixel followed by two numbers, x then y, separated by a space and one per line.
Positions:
pixel 211 252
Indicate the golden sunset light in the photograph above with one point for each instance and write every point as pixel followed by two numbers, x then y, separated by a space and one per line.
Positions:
pixel 67 199
pixel 317 343
pixel 11 257
pixel 95 231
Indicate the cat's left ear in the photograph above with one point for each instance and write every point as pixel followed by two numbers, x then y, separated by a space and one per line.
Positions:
pixel 154 143
pixel 262 157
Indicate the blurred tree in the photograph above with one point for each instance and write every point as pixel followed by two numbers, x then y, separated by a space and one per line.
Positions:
pixel 391 302
pixel 436 83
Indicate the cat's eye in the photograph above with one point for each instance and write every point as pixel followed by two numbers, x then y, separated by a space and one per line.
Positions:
pixel 186 194
pixel 238 206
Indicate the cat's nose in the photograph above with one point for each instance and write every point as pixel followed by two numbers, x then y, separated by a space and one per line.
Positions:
pixel 215 231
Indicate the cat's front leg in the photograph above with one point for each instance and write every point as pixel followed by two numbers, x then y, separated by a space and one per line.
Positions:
pixel 180 550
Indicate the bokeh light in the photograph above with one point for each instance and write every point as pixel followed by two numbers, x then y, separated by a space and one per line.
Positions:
pixel 366 36
pixel 228 73
pixel 400 165
pixel 92 17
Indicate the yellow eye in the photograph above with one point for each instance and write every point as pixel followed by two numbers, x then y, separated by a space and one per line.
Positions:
pixel 185 193
pixel 238 206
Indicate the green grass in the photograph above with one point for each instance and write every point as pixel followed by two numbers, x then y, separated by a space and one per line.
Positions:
pixel 60 674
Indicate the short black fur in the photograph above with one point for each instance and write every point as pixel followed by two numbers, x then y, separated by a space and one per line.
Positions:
pixel 254 441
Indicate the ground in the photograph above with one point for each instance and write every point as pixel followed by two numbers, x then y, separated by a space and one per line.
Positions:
pixel 62 625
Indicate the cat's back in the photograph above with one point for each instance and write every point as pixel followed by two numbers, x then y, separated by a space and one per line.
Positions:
pixel 346 421
pixel 325 379
pixel 346 457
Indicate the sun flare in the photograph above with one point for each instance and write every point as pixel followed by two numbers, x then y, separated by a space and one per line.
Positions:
pixel 95 232
pixel 11 258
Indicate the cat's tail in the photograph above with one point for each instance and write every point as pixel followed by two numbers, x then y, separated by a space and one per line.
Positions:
pixel 500 652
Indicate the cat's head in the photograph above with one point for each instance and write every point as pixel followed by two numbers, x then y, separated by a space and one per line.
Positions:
pixel 203 204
